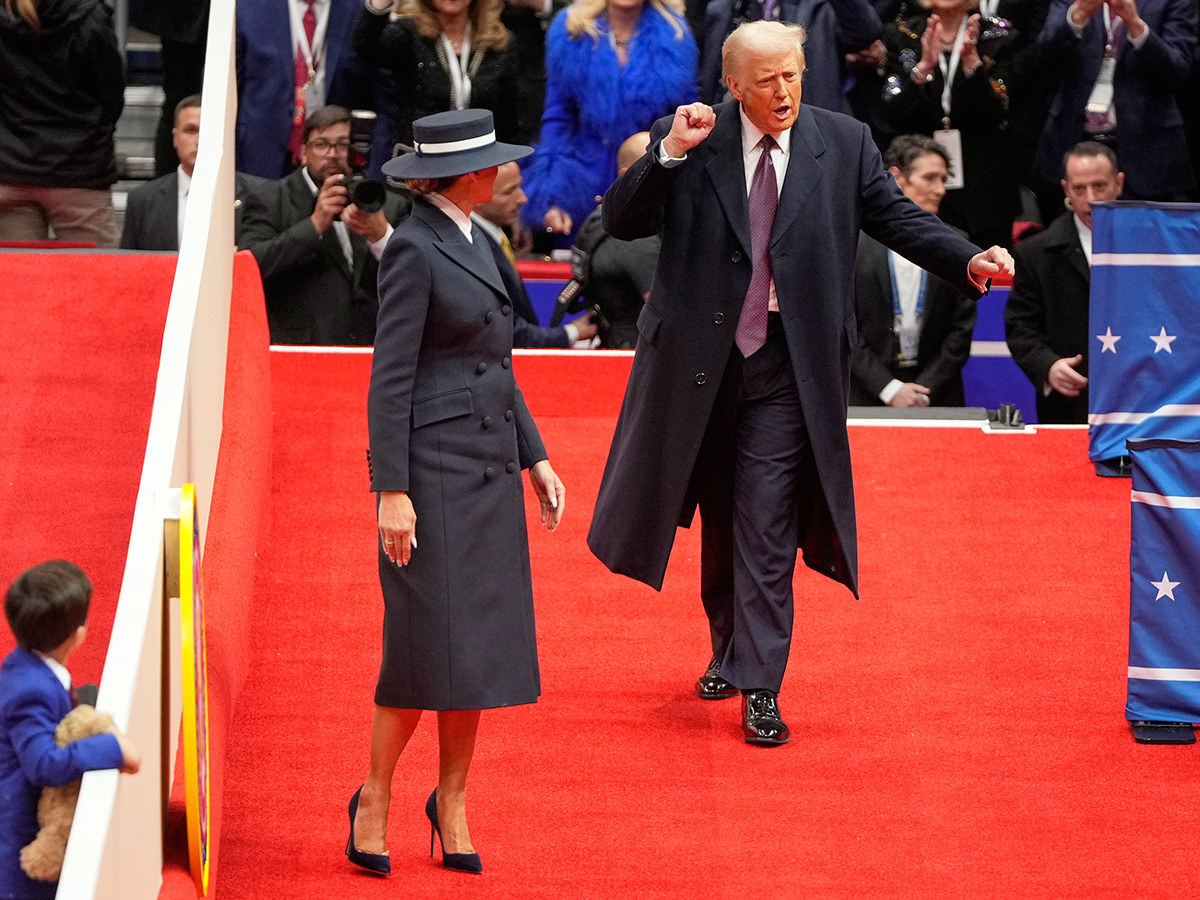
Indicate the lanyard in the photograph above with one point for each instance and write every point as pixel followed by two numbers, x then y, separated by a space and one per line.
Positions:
pixel 949 68
pixel 987 8
pixel 896 311
pixel 312 51
pixel 460 80
pixel 1110 44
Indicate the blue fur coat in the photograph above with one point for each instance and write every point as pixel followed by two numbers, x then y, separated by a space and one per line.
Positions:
pixel 593 104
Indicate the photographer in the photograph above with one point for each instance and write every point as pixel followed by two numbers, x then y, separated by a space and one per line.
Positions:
pixel 318 252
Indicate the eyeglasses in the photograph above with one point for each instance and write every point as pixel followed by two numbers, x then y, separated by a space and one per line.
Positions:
pixel 322 146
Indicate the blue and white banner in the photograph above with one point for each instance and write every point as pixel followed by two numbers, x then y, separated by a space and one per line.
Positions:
pixel 1164 582
pixel 1144 359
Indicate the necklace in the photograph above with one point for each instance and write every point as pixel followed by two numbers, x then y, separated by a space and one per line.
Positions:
pixel 622 42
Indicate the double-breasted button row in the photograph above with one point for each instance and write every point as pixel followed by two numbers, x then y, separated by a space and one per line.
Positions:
pixel 490 317
pixel 506 362
pixel 487 421
pixel 511 468
pixel 506 309
pixel 481 368
pixel 508 415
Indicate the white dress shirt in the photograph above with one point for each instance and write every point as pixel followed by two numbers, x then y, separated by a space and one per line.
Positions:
pixel 185 185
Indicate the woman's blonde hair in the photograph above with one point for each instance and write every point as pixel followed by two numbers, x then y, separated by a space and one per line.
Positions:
pixel 487 31
pixel 582 15
pixel 25 9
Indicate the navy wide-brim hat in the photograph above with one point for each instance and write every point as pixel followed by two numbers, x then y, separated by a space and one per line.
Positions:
pixel 453 143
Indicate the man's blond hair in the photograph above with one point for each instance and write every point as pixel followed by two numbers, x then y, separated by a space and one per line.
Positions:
pixel 757 37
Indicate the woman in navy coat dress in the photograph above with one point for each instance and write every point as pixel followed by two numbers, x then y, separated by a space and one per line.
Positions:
pixel 450 434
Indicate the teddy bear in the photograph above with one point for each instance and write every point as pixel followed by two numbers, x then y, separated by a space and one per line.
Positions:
pixel 42 859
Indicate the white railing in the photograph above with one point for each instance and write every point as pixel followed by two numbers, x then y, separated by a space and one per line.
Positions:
pixel 115 849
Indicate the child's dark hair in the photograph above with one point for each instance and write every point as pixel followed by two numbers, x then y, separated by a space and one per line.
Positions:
pixel 47 603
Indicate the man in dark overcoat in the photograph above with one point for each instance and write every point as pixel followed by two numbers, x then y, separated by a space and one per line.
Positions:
pixel 736 402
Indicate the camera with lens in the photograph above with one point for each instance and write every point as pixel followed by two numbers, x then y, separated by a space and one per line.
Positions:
pixel 367 194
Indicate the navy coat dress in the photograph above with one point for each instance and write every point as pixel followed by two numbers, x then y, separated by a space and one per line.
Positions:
pixel 448 425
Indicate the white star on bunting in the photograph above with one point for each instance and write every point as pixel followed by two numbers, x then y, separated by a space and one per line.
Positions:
pixel 1162 340
pixel 1109 340
pixel 1166 587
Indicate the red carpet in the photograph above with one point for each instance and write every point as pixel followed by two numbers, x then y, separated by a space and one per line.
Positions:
pixel 78 358
pixel 956 733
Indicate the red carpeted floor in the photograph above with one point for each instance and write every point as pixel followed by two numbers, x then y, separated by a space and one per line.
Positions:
pixel 79 350
pixel 957 732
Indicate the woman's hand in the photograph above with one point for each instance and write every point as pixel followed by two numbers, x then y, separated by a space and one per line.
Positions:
pixel 550 492
pixel 970 50
pixel 397 526
pixel 931 46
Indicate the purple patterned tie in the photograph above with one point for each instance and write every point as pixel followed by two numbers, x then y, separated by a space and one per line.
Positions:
pixel 764 197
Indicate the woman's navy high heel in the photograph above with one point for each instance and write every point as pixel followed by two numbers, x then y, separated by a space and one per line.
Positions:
pixel 464 862
pixel 372 862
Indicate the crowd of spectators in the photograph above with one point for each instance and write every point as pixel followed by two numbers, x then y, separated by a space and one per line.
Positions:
pixel 1003 88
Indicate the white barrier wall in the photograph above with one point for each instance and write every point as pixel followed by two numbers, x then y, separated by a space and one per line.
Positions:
pixel 115 849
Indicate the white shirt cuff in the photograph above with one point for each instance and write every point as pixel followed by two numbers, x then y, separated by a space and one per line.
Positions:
pixel 889 390
pixel 572 334
pixel 669 161
pixel 377 246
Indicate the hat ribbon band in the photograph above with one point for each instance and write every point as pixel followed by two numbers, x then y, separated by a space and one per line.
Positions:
pixel 455 146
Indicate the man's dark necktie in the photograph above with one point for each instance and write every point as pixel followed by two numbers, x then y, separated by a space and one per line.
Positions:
pixel 764 198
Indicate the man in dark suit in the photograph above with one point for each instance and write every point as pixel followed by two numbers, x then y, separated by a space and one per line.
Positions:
pixel 492 218
pixel 1130 107
pixel 319 254
pixel 737 397
pixel 1046 319
pixel 154 211
pixel 914 332
pixel 270 34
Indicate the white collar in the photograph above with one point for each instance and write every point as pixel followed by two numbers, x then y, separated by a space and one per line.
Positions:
pixel 494 231
pixel 59 670
pixel 457 216
pixel 752 134
pixel 312 185
pixel 185 180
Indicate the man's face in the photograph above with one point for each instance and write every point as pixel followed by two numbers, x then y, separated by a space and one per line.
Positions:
pixel 925 184
pixel 325 151
pixel 185 137
pixel 507 197
pixel 1090 179
pixel 767 83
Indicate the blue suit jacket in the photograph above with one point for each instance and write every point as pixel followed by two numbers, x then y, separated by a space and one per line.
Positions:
pixel 266 79
pixel 32 703
pixel 1151 143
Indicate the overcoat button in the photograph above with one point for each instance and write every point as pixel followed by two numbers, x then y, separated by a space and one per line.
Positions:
pixel 736 256
pixel 506 362
pixel 718 318
pixel 701 378
pixel 481 368
pixel 506 309
pixel 490 316
pixel 487 421
pixel 510 468
pixel 489 472
pixel 508 415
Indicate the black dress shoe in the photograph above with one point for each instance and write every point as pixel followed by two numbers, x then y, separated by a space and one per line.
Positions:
pixel 711 686
pixel 761 722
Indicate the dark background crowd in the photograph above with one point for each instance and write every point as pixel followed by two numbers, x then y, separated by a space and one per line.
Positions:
pixel 1005 87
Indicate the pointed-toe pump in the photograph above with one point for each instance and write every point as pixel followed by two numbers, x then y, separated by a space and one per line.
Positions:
pixel 464 862
pixel 380 863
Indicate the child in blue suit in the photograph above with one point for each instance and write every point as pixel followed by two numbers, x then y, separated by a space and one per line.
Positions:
pixel 47 609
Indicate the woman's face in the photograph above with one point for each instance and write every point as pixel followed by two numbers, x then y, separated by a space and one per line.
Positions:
pixel 943 7
pixel 450 9
pixel 626 5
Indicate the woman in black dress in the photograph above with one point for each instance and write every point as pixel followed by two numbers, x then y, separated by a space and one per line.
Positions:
pixel 439 55
pixel 450 434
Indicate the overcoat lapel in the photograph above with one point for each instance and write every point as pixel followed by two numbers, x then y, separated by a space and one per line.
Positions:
pixel 454 245
pixel 728 174
pixel 804 172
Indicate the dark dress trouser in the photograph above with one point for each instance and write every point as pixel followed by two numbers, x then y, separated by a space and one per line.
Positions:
pixel 749 469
